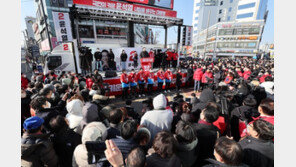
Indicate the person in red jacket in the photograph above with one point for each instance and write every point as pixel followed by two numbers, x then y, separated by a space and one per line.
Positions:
pixel 160 79
pixel 262 79
pixel 141 82
pixel 197 76
pixel 150 80
pixel 247 74
pixel 207 78
pixel 151 53
pixel 169 58
pixel 228 78
pixel 89 82
pixel 132 79
pixel 175 58
pixel 168 79
pixel 239 72
pixel 124 84
pixel 24 81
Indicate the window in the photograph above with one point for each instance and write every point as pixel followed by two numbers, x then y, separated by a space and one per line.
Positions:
pixel 220 11
pixel 195 32
pixel 245 6
pixel 196 18
pixel 197 4
pixel 230 9
pixel 219 19
pixel 228 18
pixel 195 25
pixel 245 15
pixel 196 11
pixel 221 3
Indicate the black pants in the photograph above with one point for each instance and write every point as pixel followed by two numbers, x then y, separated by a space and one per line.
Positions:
pixel 133 90
pixel 150 88
pixel 124 93
pixel 178 86
pixel 174 63
pixel 160 84
pixel 167 85
pixel 142 88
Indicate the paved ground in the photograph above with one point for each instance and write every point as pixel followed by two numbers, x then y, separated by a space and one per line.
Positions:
pixel 137 103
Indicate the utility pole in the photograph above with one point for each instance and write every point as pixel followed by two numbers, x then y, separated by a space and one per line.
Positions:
pixel 207 33
pixel 46 25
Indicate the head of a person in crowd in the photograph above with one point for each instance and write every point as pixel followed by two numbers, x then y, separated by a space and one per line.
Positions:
pixel 39 103
pixel 128 102
pixel 85 95
pixel 143 49
pixel 110 50
pixel 115 116
pixel 268 78
pixel 123 71
pixel 123 51
pixel 143 136
pixel 261 129
pixel 164 144
pixel 208 70
pixel 160 102
pixel 33 125
pixel 128 129
pixel 46 92
pixel 89 113
pixel 136 158
pixel 141 69
pixel 266 107
pixel 150 70
pixel 133 71
pixel 160 69
pixel 250 101
pixel 210 114
pixel 124 114
pixel 58 124
pixel 38 85
pixel 23 94
pixel 228 152
pixel 98 49
pixel 95 131
pixel 185 133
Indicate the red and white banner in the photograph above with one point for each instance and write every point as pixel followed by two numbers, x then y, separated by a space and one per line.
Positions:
pixel 160 3
pixel 116 89
pixel 127 7
pixel 62 26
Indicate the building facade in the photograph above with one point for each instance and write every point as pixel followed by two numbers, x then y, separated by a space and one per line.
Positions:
pixel 213 12
pixel 29 25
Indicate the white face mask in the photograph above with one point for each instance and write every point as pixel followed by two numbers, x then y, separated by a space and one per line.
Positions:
pixel 48 105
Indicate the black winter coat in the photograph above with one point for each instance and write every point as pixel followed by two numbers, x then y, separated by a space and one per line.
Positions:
pixel 123 57
pixel 98 56
pixel 257 152
pixel 215 163
pixel 64 143
pixel 144 54
pixel 206 96
pixel 207 135
pixel 37 151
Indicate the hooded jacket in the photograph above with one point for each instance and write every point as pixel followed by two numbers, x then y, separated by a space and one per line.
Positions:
pixel 74 115
pixel 158 119
pixel 197 76
pixel 206 96
pixel 188 153
pixel 92 132
pixel 37 151
pixel 206 78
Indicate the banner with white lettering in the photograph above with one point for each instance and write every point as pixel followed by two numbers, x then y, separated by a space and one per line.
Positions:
pixel 62 26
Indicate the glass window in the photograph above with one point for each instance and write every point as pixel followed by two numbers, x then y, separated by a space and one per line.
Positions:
pixel 196 11
pixel 219 19
pixel 221 3
pixel 228 18
pixel 245 6
pixel 195 31
pixel 245 15
pixel 196 18
pixel 195 25
pixel 220 11
pixel 230 9
pixel 197 4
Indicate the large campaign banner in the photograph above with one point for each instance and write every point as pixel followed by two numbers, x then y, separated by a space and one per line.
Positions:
pixel 159 3
pixel 62 26
pixel 117 5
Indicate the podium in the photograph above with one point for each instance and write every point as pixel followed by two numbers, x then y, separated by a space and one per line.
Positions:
pixel 146 63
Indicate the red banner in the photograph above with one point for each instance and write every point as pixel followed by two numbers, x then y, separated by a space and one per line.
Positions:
pixel 159 3
pixel 127 7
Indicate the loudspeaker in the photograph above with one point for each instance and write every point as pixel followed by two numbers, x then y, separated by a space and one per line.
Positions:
pixel 110 74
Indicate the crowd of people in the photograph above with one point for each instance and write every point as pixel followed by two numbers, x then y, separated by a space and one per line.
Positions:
pixel 228 121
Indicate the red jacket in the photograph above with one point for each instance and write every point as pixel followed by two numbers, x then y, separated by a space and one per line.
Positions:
pixel 247 75
pixel 132 77
pixel 25 82
pixel 170 56
pixel 160 75
pixel 141 76
pixel 198 74
pixel 151 54
pixel 89 83
pixel 269 119
pixel 168 75
pixel 262 79
pixel 204 77
pixel 240 73
pixel 175 56
pixel 124 78
pixel 150 75
pixel 228 79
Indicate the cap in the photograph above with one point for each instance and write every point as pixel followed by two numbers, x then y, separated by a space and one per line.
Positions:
pixel 33 123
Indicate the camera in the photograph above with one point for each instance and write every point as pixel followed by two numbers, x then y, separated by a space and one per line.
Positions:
pixel 95 151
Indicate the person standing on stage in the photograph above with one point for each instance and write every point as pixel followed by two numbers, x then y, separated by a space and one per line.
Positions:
pixel 141 82
pixel 175 58
pixel 178 80
pixel 132 78
pixel 169 58
pixel 160 79
pixel 144 53
pixel 168 79
pixel 150 80
pixel 98 57
pixel 124 84
pixel 123 58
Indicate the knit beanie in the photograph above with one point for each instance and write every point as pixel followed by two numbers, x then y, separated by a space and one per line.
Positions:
pixel 95 131
pixel 159 102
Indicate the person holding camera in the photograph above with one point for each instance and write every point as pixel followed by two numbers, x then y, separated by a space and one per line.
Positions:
pixel 207 78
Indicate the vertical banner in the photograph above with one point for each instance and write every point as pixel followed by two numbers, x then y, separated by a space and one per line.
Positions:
pixel 62 26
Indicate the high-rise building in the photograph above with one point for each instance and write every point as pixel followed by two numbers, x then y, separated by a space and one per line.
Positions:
pixel 29 23
pixel 213 12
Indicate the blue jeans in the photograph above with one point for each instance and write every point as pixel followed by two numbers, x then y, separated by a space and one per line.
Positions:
pixel 123 65
pixel 196 83
pixel 99 65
